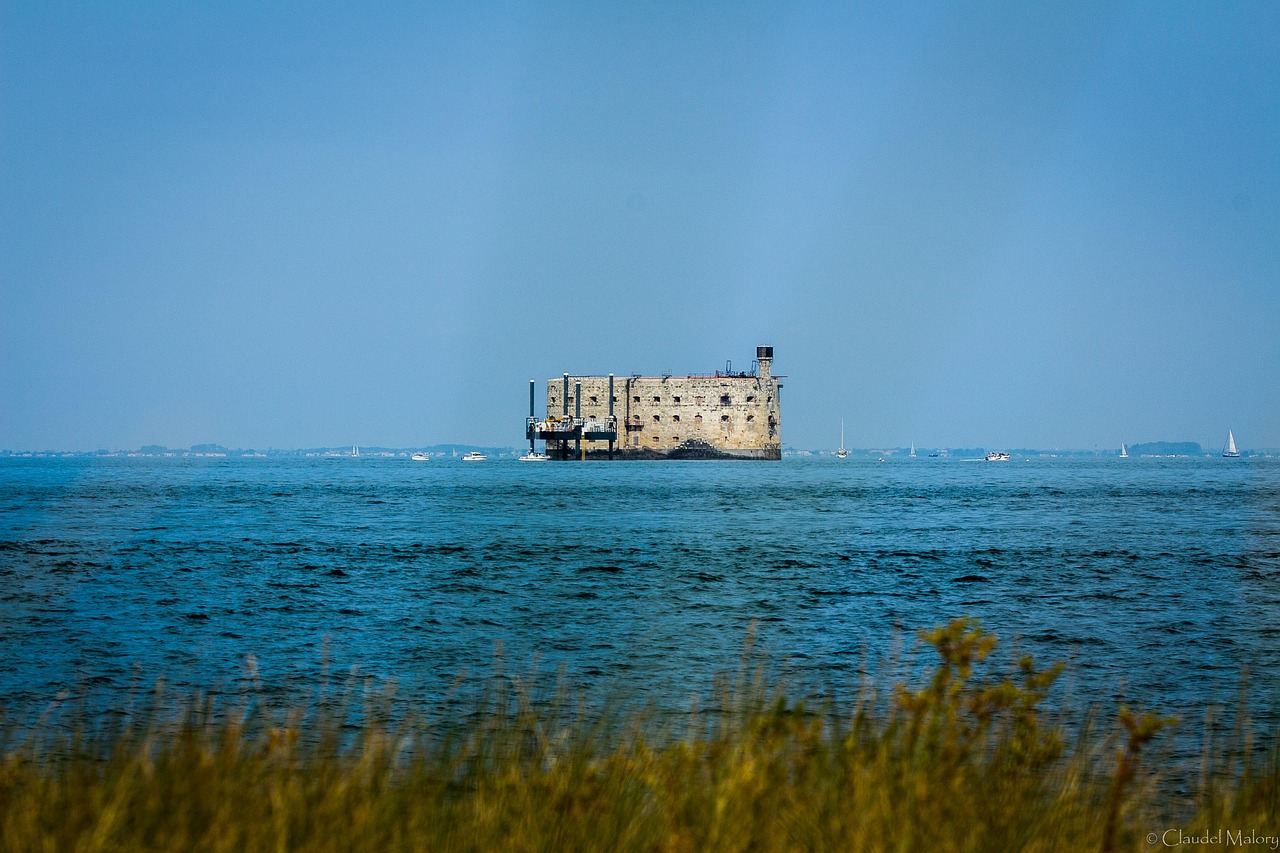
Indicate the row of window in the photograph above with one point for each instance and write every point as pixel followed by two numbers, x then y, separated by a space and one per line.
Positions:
pixel 697 419
pixel 725 399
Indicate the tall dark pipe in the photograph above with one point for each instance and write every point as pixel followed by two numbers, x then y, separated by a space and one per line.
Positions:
pixel 577 416
pixel 532 416
pixel 564 442
pixel 612 422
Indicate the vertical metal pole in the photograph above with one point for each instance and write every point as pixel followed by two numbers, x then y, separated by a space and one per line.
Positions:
pixel 532 416
pixel 577 414
pixel 613 423
pixel 564 443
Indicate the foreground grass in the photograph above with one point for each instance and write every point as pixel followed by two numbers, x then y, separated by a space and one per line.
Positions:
pixel 967 759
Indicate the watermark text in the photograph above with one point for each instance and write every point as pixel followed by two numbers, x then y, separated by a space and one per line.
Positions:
pixel 1221 837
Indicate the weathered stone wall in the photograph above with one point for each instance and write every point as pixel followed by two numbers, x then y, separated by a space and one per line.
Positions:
pixel 681 415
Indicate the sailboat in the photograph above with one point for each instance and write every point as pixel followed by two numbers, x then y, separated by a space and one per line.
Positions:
pixel 913 450
pixel 841 453
pixel 1124 454
pixel 1230 450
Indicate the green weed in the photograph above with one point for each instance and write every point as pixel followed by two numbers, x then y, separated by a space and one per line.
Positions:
pixel 965 758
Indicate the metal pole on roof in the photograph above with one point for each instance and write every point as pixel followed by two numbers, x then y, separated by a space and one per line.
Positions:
pixel 564 443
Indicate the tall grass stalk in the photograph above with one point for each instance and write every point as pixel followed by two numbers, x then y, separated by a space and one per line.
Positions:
pixel 966 757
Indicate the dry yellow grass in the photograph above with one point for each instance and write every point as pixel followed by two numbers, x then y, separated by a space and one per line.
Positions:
pixel 965 760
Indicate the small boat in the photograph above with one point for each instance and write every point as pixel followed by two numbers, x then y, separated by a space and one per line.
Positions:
pixel 1230 451
pixel 1124 454
pixel 912 454
pixel 997 456
pixel 842 453
pixel 534 457
pixel 420 457
pixel 474 456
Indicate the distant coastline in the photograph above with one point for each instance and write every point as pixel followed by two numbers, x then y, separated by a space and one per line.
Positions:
pixel 1151 449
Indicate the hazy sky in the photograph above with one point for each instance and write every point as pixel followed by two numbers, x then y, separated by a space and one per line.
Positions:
pixel 291 225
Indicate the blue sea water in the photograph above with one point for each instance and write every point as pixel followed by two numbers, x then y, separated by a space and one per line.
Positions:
pixel 1157 579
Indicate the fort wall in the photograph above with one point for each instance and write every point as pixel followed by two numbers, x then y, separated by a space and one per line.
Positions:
pixel 721 415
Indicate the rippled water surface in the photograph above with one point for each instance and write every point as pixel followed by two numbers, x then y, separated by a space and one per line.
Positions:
pixel 1160 578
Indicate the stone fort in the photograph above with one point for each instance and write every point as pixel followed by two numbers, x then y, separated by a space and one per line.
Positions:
pixel 723 415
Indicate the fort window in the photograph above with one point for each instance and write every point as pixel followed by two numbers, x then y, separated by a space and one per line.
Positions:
pixel 657 418
pixel 595 399
pixel 724 399
pixel 675 438
pixel 675 419
pixel 750 398
pixel 655 439
pixel 657 399
pixel 724 419
pixel 635 399
pixel 697 420
pixel 635 418
pixel 675 399
pixel 750 418
pixel 699 400
pixel 570 399
pixel 615 399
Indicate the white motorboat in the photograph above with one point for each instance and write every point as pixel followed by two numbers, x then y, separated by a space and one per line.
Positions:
pixel 534 457
pixel 474 456
pixel 997 456
pixel 420 457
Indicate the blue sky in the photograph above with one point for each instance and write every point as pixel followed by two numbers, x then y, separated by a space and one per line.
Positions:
pixel 290 225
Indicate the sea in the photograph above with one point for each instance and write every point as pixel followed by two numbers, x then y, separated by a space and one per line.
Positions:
pixel 1157 581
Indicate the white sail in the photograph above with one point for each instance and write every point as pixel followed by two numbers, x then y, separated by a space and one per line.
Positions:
pixel 1124 454
pixel 1230 449
pixel 913 450
pixel 842 453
